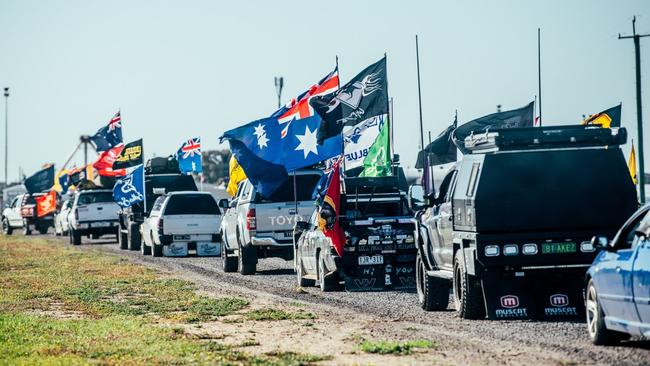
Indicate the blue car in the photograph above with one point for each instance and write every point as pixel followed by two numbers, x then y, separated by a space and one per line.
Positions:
pixel 617 292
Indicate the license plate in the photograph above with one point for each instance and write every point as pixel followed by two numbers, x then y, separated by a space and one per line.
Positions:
pixel 559 248
pixel 181 237
pixel 100 224
pixel 366 260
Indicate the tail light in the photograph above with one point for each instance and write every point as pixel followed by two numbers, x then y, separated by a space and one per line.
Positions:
pixel 160 226
pixel 76 214
pixel 251 220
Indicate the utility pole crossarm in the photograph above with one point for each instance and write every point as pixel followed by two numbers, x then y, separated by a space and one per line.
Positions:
pixel 639 110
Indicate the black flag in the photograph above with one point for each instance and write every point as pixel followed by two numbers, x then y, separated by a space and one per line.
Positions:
pixel 130 156
pixel 365 96
pixel 442 150
pixel 517 118
pixel 40 181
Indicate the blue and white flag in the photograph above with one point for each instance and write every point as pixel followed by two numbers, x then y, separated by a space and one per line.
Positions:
pixel 110 135
pixel 130 189
pixel 286 141
pixel 189 156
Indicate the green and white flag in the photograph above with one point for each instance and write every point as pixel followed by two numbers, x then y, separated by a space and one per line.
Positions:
pixel 377 162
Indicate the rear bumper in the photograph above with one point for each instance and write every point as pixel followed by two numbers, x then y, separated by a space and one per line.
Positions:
pixel 262 241
pixel 96 227
pixel 397 272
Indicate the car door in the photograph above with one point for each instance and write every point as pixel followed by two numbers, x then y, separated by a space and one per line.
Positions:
pixel 614 277
pixel 641 281
pixel 15 219
pixel 442 248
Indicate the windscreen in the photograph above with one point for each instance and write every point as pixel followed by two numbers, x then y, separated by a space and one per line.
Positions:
pixel 192 204
pixel 305 184
pixel 554 190
pixel 95 197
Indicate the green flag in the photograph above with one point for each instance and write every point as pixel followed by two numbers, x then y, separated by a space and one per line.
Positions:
pixel 377 162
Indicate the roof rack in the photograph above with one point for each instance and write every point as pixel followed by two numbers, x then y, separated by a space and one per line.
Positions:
pixel 550 137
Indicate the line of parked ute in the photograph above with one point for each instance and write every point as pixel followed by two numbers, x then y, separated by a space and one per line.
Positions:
pixel 531 223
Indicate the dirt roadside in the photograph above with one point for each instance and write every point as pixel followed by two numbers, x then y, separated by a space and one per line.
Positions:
pixel 338 331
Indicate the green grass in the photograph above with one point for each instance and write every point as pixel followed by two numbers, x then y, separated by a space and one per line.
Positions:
pixel 395 348
pixel 60 305
pixel 275 314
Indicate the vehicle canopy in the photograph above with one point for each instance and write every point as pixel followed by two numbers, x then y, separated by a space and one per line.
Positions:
pixel 306 181
pixel 544 179
pixel 157 185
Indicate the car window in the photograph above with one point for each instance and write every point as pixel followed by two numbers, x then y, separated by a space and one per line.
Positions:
pixel 305 184
pixel 628 236
pixel 158 204
pixel 95 197
pixel 15 202
pixel 192 204
pixel 444 191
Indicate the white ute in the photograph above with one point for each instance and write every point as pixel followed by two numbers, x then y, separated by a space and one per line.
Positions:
pixel 93 214
pixel 180 222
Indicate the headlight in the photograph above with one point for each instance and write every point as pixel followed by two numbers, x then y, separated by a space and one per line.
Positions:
pixel 491 250
pixel 586 247
pixel 510 249
pixel 529 249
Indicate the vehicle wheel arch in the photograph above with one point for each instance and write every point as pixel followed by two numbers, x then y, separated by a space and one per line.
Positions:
pixel 424 247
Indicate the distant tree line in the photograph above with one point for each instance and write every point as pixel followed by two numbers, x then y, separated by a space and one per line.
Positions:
pixel 215 166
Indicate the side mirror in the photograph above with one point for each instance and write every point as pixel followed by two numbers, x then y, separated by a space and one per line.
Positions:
pixel 600 242
pixel 223 203
pixel 416 197
pixel 233 204
pixel 301 226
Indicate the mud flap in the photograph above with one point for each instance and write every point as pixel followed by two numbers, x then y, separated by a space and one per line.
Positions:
pixel 175 250
pixel 205 249
pixel 545 296
pixel 394 275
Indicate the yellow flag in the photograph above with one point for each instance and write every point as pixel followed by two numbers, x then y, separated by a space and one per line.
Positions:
pixel 236 175
pixel 57 186
pixel 631 164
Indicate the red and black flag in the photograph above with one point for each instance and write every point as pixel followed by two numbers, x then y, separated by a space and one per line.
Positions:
pixel 329 209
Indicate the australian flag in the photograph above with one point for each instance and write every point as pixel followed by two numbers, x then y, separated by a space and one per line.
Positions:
pixel 189 156
pixel 130 189
pixel 109 135
pixel 286 141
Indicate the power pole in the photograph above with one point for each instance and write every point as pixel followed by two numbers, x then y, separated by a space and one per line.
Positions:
pixel 639 113
pixel 539 72
pixel 6 134
pixel 279 84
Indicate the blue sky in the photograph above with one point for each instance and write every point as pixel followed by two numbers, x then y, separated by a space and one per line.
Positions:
pixel 179 69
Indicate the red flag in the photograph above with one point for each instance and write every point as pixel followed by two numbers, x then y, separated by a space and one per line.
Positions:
pixel 107 158
pixel 109 172
pixel 45 204
pixel 333 200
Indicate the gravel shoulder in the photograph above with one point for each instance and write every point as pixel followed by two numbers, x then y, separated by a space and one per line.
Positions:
pixel 343 319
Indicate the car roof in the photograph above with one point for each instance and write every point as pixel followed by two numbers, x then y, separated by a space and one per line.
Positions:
pixel 177 193
pixel 95 191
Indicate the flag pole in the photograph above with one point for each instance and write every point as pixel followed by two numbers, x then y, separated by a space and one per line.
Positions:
pixel 417 59
pixel 390 123
pixel 539 74
pixel 338 86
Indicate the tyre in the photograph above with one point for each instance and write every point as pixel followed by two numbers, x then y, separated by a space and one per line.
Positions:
pixel 327 284
pixel 42 229
pixel 6 228
pixel 433 293
pixel 598 333
pixel 123 239
pixel 302 281
pixel 156 250
pixel 70 235
pixel 247 259
pixel 134 237
pixel 468 294
pixel 228 261
pixel 145 249
pixel 76 237
pixel 27 230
